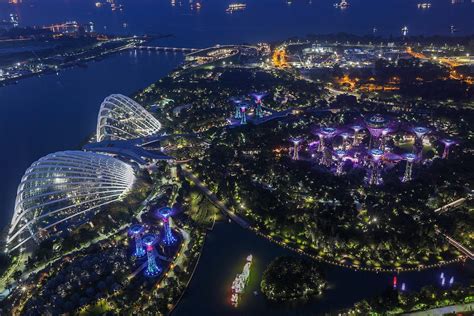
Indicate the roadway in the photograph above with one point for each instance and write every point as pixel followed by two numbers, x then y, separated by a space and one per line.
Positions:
pixel 187 173
pixel 451 206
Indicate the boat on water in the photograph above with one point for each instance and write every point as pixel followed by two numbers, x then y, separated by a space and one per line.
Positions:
pixel 235 7
pixel 424 5
pixel 342 5
pixel 240 282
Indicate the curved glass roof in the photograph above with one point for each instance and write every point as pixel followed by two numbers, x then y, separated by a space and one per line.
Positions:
pixel 122 118
pixel 62 186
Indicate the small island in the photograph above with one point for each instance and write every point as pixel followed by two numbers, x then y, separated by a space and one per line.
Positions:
pixel 290 278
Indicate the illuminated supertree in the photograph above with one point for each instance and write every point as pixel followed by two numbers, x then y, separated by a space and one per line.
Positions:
pixel 136 232
pixel 258 103
pixel 410 158
pixel 447 144
pixel 165 214
pixel 296 142
pixel 376 124
pixel 325 134
pixel 374 172
pixel 340 161
pixel 345 137
pixel 383 141
pixel 237 103
pixel 420 132
pixel 243 113
pixel 357 129
pixel 152 268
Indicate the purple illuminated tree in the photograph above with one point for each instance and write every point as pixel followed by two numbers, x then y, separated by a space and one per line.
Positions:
pixel 258 103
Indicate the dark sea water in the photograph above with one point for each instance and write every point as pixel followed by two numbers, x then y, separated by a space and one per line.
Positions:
pixel 57 112
pixel 41 115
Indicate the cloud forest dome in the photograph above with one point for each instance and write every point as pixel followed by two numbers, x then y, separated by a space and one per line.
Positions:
pixel 62 186
pixel 122 118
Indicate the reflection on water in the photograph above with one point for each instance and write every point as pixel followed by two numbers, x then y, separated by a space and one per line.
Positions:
pixel 224 254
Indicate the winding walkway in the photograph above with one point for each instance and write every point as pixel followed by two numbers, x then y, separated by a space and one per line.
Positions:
pixel 187 173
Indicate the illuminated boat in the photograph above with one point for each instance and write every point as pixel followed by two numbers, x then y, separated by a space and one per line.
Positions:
pixel 235 7
pixel 424 5
pixel 341 5
pixel 240 282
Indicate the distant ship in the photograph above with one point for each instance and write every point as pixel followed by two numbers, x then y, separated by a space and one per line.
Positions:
pixel 235 7
pixel 424 5
pixel 240 282
pixel 341 5
pixel 405 30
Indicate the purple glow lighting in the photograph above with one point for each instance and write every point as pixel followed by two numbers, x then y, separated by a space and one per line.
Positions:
pixel 447 143
pixel 345 136
pixel 376 154
pixel 410 158
pixel 165 214
pixel 328 132
pixel 258 100
pixel 340 155
pixel 258 96
pixel 136 232
pixel 357 129
pixel 325 133
pixel 376 124
pixel 374 173
pixel 420 131
pixel 296 141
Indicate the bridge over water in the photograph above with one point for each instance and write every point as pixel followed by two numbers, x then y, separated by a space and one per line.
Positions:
pixel 168 49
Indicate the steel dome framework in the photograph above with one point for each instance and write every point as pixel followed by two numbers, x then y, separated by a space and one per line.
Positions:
pixel 122 118
pixel 62 186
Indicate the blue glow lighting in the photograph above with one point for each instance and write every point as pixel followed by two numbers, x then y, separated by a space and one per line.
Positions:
pixel 165 214
pixel 136 231
pixel 169 238
pixel 152 268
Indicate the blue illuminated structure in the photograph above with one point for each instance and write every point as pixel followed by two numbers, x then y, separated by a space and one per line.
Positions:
pixel 236 103
pixel 165 213
pixel 136 231
pixel 243 113
pixel 258 103
pixel 152 268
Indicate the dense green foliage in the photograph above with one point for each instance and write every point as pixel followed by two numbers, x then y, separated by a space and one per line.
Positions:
pixel 292 278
